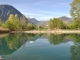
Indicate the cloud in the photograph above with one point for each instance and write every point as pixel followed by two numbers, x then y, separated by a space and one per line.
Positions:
pixel 48 12
pixel 45 15
pixel 43 2
pixel 69 16
pixel 35 14
pixel 62 3
pixel 36 3
pixel 49 17
pixel 30 4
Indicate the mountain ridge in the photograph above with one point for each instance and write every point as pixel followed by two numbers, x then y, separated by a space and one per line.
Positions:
pixel 65 19
pixel 6 10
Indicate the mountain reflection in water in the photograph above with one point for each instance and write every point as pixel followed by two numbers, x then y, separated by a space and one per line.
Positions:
pixel 40 47
pixel 11 42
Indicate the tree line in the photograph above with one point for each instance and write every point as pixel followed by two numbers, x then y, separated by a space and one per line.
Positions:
pixel 14 23
pixel 56 23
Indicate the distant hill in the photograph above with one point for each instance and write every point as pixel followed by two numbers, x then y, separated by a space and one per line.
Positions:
pixel 44 23
pixel 33 20
pixel 36 22
pixel 66 19
pixel 6 10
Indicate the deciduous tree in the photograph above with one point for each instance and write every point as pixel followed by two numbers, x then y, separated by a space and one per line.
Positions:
pixel 75 9
pixel 23 22
pixel 55 23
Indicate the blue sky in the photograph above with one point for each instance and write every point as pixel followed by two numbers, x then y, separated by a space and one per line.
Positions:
pixel 41 9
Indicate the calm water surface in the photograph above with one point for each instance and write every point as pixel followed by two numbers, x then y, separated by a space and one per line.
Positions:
pixel 40 47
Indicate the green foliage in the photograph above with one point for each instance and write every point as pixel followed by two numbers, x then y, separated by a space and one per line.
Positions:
pixel 16 22
pixel 75 9
pixel 23 22
pixel 13 22
pixel 30 26
pixel 39 27
pixel 1 23
pixel 75 24
pixel 56 23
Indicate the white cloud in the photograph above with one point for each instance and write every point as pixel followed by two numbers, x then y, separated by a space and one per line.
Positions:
pixel 48 12
pixel 62 3
pixel 45 15
pixel 43 2
pixel 49 17
pixel 69 16
pixel 35 14
pixel 31 17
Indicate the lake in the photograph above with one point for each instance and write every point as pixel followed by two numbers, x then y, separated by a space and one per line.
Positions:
pixel 40 46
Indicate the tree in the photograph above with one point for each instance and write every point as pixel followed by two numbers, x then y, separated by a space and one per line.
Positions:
pixel 75 24
pixel 10 23
pixel 13 22
pixel 23 22
pixel 75 9
pixel 16 21
pixel 1 23
pixel 55 23
pixel 39 27
pixel 30 26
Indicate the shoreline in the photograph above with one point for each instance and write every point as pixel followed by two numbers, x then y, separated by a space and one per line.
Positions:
pixel 48 31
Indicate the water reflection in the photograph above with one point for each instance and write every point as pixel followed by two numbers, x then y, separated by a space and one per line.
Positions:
pixel 12 42
pixel 40 47
pixel 74 49
pixel 56 39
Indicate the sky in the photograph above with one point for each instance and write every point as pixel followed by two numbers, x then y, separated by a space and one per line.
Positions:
pixel 41 9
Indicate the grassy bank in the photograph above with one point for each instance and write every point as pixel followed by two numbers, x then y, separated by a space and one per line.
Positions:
pixel 48 31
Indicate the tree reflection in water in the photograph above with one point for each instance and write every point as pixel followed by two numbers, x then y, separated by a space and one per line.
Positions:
pixel 12 42
pixel 56 39
pixel 74 49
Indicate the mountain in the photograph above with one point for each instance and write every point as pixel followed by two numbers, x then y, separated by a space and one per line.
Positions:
pixel 42 23
pixel 33 20
pixel 6 10
pixel 36 22
pixel 66 19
